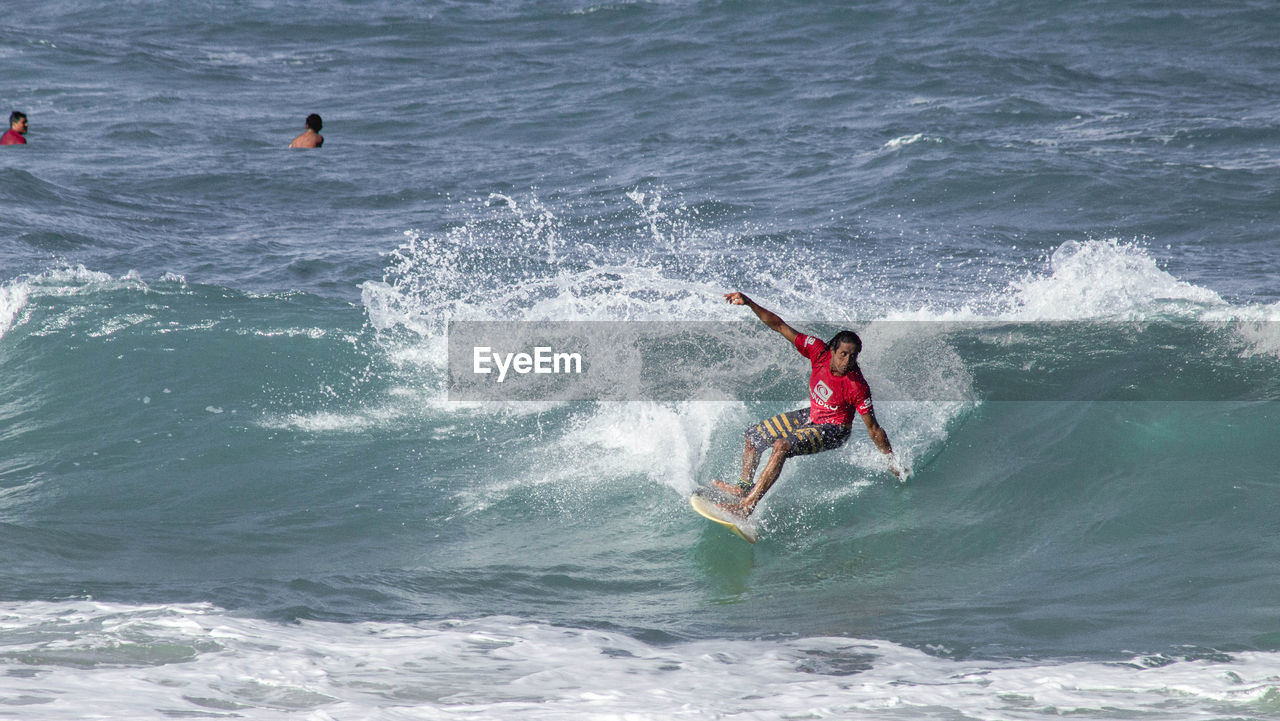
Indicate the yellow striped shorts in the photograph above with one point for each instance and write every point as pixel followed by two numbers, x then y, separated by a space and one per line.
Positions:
pixel 805 437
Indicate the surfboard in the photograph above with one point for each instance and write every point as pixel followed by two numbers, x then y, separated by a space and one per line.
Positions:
pixel 703 501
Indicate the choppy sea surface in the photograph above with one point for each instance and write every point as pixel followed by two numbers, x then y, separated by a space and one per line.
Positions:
pixel 234 484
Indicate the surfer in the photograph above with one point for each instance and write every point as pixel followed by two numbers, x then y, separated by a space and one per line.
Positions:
pixel 837 392
pixel 17 129
pixel 311 138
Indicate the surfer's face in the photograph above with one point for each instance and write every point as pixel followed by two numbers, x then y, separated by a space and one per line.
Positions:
pixel 843 359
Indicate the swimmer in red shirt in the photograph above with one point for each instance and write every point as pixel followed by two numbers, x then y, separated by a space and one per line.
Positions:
pixel 837 392
pixel 17 129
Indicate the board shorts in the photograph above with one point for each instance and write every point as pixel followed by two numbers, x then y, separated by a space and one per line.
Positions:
pixel 805 437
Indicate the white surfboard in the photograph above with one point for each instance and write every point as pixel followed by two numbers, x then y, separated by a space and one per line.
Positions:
pixel 702 502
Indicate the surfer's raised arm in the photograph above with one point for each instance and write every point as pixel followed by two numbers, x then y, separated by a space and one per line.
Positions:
pixel 765 315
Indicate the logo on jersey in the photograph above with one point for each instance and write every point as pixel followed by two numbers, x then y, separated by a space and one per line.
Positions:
pixel 808 340
pixel 822 391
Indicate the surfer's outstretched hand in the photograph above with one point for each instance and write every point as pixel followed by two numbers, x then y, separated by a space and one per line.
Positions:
pixel 898 469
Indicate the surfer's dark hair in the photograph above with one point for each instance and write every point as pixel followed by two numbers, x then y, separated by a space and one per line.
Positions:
pixel 15 116
pixel 845 336
pixel 314 122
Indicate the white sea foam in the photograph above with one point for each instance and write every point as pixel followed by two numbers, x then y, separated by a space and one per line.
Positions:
pixel 668 443
pixel 58 282
pixel 905 140
pixel 1111 280
pixel 72 280
pixel 1114 280
pixel 1260 334
pixel 1087 280
pixel 1105 279
pixel 13 298
pixel 434 279
pixel 83 659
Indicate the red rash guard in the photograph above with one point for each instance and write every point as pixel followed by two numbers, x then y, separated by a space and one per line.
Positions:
pixel 832 399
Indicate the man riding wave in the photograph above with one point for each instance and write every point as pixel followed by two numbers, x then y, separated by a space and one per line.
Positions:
pixel 837 392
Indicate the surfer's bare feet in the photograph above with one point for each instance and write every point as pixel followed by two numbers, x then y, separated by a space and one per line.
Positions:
pixel 732 489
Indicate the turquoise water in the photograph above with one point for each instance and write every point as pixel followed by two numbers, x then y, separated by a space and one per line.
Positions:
pixel 233 481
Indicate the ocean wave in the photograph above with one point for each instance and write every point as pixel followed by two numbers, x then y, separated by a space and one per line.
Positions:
pixel 161 661
pixel 1106 279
